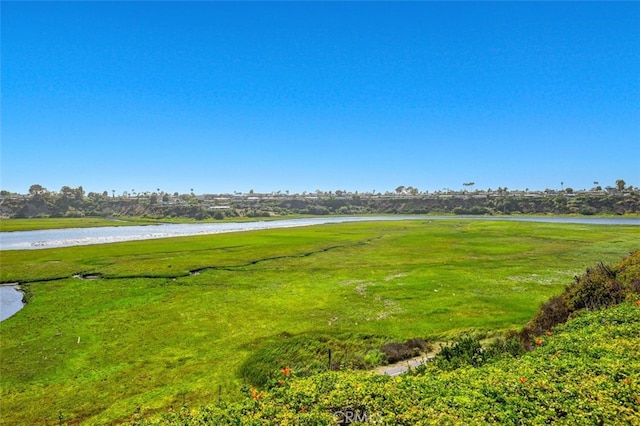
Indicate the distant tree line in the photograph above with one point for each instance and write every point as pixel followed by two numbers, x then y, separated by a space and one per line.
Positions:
pixel 74 202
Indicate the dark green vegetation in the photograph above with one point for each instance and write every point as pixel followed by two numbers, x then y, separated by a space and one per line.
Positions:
pixel 586 371
pixel 116 331
pixel 73 202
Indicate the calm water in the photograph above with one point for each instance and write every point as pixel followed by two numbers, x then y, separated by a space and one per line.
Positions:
pixel 10 301
pixel 32 240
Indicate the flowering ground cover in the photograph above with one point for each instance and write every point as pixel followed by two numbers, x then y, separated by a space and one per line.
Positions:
pixel 586 372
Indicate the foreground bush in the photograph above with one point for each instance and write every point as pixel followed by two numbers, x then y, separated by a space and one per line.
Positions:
pixel 586 372
pixel 598 287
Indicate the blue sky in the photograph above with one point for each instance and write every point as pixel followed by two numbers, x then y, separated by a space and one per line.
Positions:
pixel 233 96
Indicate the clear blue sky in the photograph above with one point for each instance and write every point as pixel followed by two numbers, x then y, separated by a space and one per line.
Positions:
pixel 234 96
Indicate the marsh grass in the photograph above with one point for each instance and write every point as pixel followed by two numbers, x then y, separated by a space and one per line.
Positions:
pixel 177 321
pixel 8 225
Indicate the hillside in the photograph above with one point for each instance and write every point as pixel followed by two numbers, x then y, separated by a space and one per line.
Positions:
pixel 73 202
pixel 585 371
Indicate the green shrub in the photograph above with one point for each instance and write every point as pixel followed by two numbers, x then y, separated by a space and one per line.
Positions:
pixel 465 351
pixel 553 312
pixel 396 351
pixel 595 289
pixel 599 287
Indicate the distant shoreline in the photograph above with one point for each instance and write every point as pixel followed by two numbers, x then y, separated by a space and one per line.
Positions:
pixel 69 237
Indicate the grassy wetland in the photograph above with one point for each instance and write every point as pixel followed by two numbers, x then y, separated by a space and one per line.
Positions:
pixel 115 331
pixel 64 222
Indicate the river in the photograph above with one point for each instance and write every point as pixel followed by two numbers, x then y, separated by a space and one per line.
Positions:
pixel 68 237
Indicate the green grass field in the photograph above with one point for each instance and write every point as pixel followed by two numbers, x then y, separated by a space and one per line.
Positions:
pixel 9 225
pixel 148 325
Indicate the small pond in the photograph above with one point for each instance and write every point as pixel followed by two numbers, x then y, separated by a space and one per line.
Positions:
pixel 10 301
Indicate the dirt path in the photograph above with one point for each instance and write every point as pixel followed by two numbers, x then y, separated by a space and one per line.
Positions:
pixel 403 366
